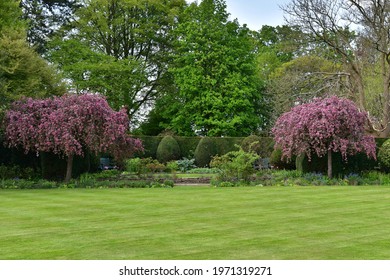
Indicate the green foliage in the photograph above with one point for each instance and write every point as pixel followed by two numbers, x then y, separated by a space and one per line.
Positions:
pixel 260 145
pixel 297 178
pixel 134 165
pixel 235 166
pixel 227 144
pixel 214 68
pixel 106 74
pixel 23 72
pixel 17 157
pixel 204 152
pixel 384 156
pixel 150 144
pixel 46 18
pixel 152 165
pixel 10 16
pixel 12 172
pixel 27 184
pixel 168 150
pixel 172 166
pixel 187 145
pixel 142 166
pixel 186 164
pixel 120 49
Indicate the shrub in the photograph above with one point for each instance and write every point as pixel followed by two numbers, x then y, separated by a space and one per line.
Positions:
pixel 384 156
pixel 168 150
pixel 186 164
pixel 144 165
pixel 204 152
pixel 260 145
pixel 134 165
pixel 27 184
pixel 112 173
pixel 15 171
pixel 152 165
pixel 235 165
pixel 172 166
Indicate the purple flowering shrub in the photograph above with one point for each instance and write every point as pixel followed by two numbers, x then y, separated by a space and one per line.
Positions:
pixel 68 125
pixel 323 126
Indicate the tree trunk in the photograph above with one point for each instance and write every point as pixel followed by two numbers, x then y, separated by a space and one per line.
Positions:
pixel 69 168
pixel 330 164
pixel 386 98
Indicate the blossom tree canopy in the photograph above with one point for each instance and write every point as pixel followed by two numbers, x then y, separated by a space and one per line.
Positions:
pixel 68 126
pixel 324 126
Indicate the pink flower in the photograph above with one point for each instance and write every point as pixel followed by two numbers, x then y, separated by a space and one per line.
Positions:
pixel 324 124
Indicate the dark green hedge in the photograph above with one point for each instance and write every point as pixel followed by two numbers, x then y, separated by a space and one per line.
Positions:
pixel 11 157
pixel 54 167
pixel 355 164
pixel 150 144
pixel 188 145
pixel 168 150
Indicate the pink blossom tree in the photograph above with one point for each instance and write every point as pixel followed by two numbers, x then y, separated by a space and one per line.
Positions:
pixel 69 125
pixel 324 126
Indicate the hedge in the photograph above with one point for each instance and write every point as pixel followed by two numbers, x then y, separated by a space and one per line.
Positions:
pixel 168 150
pixel 355 164
pixel 53 167
pixel 188 145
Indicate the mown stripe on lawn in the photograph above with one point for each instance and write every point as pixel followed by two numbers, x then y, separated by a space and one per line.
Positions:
pixel 196 223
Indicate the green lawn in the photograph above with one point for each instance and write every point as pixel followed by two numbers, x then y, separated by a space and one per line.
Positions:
pixel 196 223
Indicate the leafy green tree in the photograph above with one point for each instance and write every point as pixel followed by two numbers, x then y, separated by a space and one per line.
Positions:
pixel 277 45
pixel 22 71
pixel 120 48
pixel 214 69
pixel 10 16
pixel 45 18
pixel 118 79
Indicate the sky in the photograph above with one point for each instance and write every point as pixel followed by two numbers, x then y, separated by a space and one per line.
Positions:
pixel 256 13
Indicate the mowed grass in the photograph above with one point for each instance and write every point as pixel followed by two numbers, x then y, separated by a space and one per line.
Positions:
pixel 196 223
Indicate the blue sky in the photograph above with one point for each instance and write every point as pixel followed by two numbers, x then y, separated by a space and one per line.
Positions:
pixel 256 13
